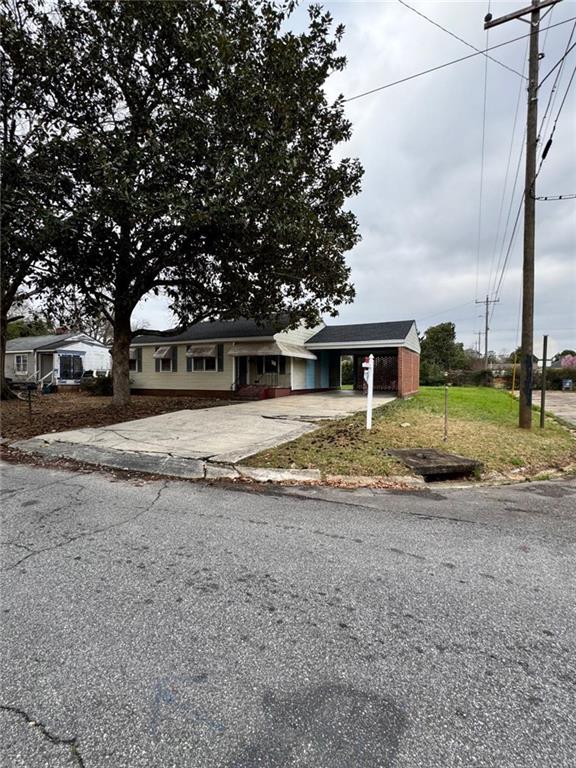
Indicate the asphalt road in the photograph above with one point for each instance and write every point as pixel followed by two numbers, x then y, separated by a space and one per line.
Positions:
pixel 172 624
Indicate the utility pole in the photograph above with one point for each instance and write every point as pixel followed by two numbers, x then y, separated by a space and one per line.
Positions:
pixel 487 301
pixel 525 413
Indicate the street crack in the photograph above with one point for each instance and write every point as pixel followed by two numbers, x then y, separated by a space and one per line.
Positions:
pixel 71 743
pixel 93 532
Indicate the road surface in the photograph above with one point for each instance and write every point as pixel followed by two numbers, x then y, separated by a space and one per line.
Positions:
pixel 171 624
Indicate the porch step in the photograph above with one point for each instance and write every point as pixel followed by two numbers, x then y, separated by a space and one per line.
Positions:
pixel 252 392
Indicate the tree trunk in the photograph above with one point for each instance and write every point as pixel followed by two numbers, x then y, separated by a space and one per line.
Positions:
pixel 120 358
pixel 5 391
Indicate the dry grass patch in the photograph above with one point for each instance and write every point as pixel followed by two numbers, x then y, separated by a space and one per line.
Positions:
pixel 72 410
pixel 482 425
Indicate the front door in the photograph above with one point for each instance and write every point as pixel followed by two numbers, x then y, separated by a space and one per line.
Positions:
pixel 46 364
pixel 242 371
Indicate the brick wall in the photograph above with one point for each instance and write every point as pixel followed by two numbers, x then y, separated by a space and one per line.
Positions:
pixel 408 372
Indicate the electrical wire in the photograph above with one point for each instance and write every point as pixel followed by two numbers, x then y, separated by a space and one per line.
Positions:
pixel 505 186
pixel 456 37
pixel 549 142
pixel 447 64
pixel 482 154
pixel 542 158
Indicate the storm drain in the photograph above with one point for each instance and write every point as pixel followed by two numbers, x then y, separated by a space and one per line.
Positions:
pixel 436 465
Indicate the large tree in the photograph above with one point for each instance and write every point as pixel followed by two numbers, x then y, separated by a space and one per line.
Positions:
pixel 202 161
pixel 29 178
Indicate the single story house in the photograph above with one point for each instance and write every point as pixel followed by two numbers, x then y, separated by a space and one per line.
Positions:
pixel 58 359
pixel 221 358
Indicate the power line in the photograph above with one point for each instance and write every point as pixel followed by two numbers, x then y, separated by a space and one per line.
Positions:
pixel 542 158
pixel 481 191
pixel 450 309
pixel 549 142
pixel 456 37
pixel 505 187
pixel 448 64
pixel 560 62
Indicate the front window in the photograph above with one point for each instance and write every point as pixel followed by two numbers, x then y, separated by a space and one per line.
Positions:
pixel 204 363
pixel 21 365
pixel 271 364
pixel 71 367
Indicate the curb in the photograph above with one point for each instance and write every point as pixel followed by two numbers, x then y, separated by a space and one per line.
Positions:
pixel 173 466
pixel 204 469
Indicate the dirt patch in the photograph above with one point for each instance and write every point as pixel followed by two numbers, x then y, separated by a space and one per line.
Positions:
pixel 71 410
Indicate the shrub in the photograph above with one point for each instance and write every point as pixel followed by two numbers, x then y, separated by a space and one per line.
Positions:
pixel 554 378
pixel 99 385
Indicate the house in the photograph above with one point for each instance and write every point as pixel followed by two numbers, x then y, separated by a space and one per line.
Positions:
pixel 221 358
pixel 58 359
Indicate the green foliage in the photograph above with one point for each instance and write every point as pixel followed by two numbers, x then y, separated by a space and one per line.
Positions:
pixel 431 374
pixel 201 160
pixel 29 169
pixel 554 378
pixel 28 327
pixel 347 372
pixel 99 385
pixel 440 352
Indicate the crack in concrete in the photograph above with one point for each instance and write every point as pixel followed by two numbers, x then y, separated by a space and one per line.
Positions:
pixel 71 743
pixel 93 532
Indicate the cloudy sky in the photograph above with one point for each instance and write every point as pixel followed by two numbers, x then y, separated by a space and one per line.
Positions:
pixel 420 143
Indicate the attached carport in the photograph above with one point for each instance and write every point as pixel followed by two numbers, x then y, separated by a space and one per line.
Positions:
pixel 396 350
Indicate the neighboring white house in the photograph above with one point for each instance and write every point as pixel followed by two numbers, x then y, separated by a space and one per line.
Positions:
pixel 56 359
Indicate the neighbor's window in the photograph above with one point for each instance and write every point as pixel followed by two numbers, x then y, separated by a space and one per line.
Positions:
pixel 21 363
pixel 71 367
pixel 135 359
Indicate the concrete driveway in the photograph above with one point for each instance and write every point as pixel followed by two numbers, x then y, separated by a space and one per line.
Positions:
pixel 561 404
pixel 224 434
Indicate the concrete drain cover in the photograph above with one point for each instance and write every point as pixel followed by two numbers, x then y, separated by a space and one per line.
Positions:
pixel 433 464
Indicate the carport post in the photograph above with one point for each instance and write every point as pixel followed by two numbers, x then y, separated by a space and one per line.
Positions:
pixel 369 379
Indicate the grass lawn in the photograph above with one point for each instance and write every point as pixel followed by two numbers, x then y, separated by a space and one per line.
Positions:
pixel 482 425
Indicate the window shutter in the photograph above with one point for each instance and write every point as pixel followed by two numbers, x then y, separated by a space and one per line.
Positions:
pixel 139 360
pixel 174 359
pixel 156 362
pixel 260 365
pixel 189 361
pixel 220 353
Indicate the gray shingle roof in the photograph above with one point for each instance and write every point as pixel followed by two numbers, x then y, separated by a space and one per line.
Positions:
pixel 30 343
pixel 55 341
pixel 342 334
pixel 218 329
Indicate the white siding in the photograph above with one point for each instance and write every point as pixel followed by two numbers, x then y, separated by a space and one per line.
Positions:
pixel 299 335
pixel 412 341
pixel 298 373
pixel 149 378
pixel 94 357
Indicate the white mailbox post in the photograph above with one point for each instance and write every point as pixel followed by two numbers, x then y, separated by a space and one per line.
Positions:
pixel 368 366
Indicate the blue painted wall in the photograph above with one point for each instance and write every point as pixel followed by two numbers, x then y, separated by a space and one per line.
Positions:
pixel 324 359
pixel 310 374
